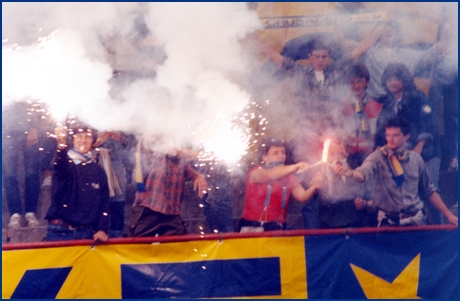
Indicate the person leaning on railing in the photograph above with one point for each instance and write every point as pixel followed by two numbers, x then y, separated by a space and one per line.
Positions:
pixel 269 187
pixel 79 190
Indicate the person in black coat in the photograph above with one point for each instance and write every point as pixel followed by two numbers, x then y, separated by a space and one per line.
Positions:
pixel 80 195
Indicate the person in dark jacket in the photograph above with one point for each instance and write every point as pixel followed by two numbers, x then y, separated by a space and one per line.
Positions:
pixel 80 194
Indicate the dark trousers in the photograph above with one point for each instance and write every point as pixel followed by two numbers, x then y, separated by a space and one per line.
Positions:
pixel 218 218
pixel 344 215
pixel 310 214
pixel 12 147
pixel 146 222
pixel 117 219
pixel 48 152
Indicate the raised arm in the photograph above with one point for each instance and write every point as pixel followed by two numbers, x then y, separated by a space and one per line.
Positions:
pixel 365 44
pixel 269 52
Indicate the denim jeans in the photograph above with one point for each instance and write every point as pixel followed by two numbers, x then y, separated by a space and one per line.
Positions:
pixel 57 233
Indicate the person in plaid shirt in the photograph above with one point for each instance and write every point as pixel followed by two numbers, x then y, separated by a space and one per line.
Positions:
pixel 157 205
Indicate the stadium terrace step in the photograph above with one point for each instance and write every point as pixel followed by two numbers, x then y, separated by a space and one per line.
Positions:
pixel 24 234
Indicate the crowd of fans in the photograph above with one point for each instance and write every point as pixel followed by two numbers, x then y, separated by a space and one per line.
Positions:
pixel 381 169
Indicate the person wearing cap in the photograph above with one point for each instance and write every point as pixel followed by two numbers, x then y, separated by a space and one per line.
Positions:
pixel 268 190
pixel 79 190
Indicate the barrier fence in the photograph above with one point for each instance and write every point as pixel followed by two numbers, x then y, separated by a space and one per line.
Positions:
pixel 402 262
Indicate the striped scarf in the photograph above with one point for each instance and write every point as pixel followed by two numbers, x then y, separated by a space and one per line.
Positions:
pixel 362 119
pixel 394 160
pixel 78 157
pixel 112 178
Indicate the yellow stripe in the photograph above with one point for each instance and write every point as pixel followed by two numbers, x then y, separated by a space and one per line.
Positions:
pixel 96 272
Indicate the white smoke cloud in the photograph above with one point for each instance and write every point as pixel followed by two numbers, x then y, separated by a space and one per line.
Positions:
pixel 55 71
pixel 194 92
pixel 203 52
pixel 55 52
pixel 52 51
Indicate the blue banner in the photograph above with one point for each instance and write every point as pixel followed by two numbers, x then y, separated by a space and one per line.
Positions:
pixel 397 265
pixel 323 265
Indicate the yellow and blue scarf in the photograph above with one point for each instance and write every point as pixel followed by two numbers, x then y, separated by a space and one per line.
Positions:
pixel 140 186
pixel 394 160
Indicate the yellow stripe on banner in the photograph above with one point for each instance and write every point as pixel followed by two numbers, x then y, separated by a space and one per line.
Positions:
pixel 96 272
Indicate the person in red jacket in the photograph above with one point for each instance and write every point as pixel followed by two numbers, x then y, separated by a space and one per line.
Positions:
pixel 268 190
